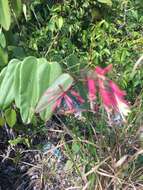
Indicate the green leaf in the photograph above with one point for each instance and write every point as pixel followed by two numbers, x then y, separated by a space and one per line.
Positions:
pixel 3 56
pixel 25 11
pixel 7 87
pixel 18 52
pixel 107 2
pixel 17 7
pixel 10 116
pixel 32 78
pixel 2 121
pixel 54 72
pixel 75 148
pixel 25 82
pixel 44 70
pixel 17 85
pixel 51 25
pixel 2 74
pixel 47 114
pixel 43 76
pixel 5 17
pixel 2 40
pixel 28 88
pixel 54 92
pixel 60 22
pixel 18 140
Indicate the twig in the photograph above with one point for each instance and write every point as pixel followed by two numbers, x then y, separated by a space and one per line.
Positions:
pixel 51 45
pixel 94 169
pixel 136 65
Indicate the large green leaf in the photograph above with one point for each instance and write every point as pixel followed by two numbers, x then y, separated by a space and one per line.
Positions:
pixel 17 84
pixel 28 88
pixel 43 76
pixel 54 72
pixel 5 17
pixel 2 74
pixel 32 78
pixel 49 98
pixel 7 87
pixel 25 82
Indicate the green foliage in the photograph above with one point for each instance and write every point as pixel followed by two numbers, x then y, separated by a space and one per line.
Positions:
pixel 6 87
pixel 35 76
pixel 24 82
pixel 55 68
pixel 5 17
pixel 20 140
pixel 3 51
pixel 28 88
pixel 77 35
pixel 75 148
pixel 107 2
pixel 3 56
pixel 75 39
pixel 101 32
pixel 9 9
pixel 2 121
pixel 2 40
pixel 16 5
pixel 10 117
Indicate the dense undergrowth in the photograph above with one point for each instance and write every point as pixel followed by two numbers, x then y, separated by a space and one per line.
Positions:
pixel 86 152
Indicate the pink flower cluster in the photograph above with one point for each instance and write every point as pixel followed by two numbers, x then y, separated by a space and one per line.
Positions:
pixel 69 102
pixel 113 98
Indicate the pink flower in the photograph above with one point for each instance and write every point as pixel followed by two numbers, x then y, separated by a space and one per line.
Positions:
pixel 121 104
pixel 66 103
pixel 104 71
pixel 92 92
pixel 92 89
pixel 113 98
pixel 78 97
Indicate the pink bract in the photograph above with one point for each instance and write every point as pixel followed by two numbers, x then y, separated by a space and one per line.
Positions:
pixel 113 98
pixel 68 101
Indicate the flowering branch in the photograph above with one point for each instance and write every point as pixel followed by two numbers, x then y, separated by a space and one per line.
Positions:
pixel 113 98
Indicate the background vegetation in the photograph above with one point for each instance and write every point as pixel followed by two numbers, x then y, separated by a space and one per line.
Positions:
pixel 67 152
